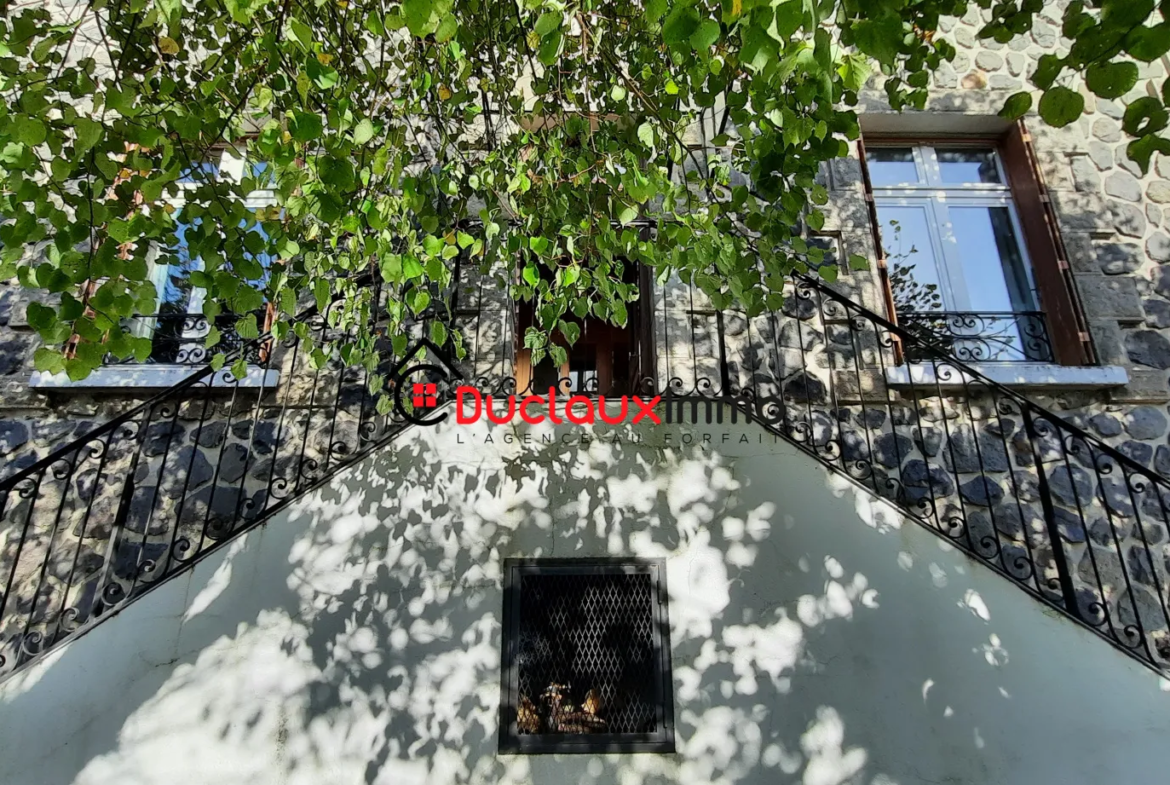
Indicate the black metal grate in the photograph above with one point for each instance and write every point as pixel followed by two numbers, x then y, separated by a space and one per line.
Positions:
pixel 585 663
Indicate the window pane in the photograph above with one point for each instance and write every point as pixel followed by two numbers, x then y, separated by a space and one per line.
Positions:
pixel 913 266
pixel 968 166
pixel 175 294
pixel 891 166
pixel 993 267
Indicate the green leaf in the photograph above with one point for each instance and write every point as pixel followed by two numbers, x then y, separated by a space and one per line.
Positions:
pixel 324 76
pixel 547 23
pixel 1125 13
pixel 854 71
pixel 438 333
pixel 240 368
pixel 1144 116
pixel 301 33
pixel 48 360
pixel 305 127
pixel 419 299
pixel 27 130
pixel 420 17
pixel 681 23
pixel 1016 106
pixel 448 27
pixel 1111 80
pixel 531 274
pixel 857 262
pixel 627 214
pixel 337 172
pixel 646 134
pixel 246 327
pixel 1140 150
pixel 1060 106
pixel 1148 43
pixel 550 49
pixel 364 132
pixel 243 10
pixel 880 38
pixel 732 10
pixel 789 18
pixel 706 36
pixel 618 93
pixel 654 9
pixel 40 317
pixel 89 134
pixel 1048 67
pixel 321 293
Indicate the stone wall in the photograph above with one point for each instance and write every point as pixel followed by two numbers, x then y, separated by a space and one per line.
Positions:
pixel 1111 217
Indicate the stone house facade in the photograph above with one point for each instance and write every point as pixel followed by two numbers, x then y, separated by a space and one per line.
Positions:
pixel 1005 443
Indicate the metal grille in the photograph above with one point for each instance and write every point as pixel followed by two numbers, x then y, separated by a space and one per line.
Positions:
pixel 585 655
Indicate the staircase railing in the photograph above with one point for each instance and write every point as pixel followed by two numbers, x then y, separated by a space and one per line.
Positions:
pixel 1067 517
pixel 116 512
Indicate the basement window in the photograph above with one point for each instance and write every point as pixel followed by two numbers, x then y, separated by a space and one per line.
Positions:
pixel 586 657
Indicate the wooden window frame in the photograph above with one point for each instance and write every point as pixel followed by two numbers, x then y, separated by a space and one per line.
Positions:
pixel 1067 328
pixel 637 334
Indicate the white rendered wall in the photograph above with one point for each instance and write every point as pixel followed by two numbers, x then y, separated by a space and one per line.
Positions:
pixel 817 639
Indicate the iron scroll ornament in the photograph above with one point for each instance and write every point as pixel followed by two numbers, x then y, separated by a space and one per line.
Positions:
pixel 443 373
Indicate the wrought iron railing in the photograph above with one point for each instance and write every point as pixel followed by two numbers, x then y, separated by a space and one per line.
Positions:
pixel 1065 516
pixel 1020 336
pixel 179 338
pixel 1062 514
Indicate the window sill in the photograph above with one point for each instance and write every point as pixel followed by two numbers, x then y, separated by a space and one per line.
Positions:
pixel 1030 375
pixel 150 377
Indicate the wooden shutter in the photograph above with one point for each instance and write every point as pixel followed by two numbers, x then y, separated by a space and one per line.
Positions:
pixel 1066 328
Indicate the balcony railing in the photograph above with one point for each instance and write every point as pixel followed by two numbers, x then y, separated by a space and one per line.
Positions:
pixel 181 338
pixel 1066 517
pixel 1020 336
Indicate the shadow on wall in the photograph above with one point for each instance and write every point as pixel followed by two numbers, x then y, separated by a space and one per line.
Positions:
pixel 355 638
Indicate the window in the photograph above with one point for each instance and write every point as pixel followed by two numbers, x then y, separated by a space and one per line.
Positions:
pixel 957 264
pixel 604 360
pixel 973 258
pixel 178 329
pixel 586 657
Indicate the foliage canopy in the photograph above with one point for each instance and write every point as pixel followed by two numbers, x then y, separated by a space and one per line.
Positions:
pixel 567 137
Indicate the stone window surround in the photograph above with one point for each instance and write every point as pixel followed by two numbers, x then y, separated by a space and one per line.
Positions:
pixel 1022 375
pixel 148 377
pixel 974 113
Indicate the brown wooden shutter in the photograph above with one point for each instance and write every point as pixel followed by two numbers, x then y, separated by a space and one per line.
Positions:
pixel 1058 300
pixel 883 271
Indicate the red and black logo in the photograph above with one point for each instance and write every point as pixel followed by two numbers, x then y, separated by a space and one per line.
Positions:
pixel 421 383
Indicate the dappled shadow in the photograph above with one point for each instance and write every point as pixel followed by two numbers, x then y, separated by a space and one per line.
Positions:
pixel 355 638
